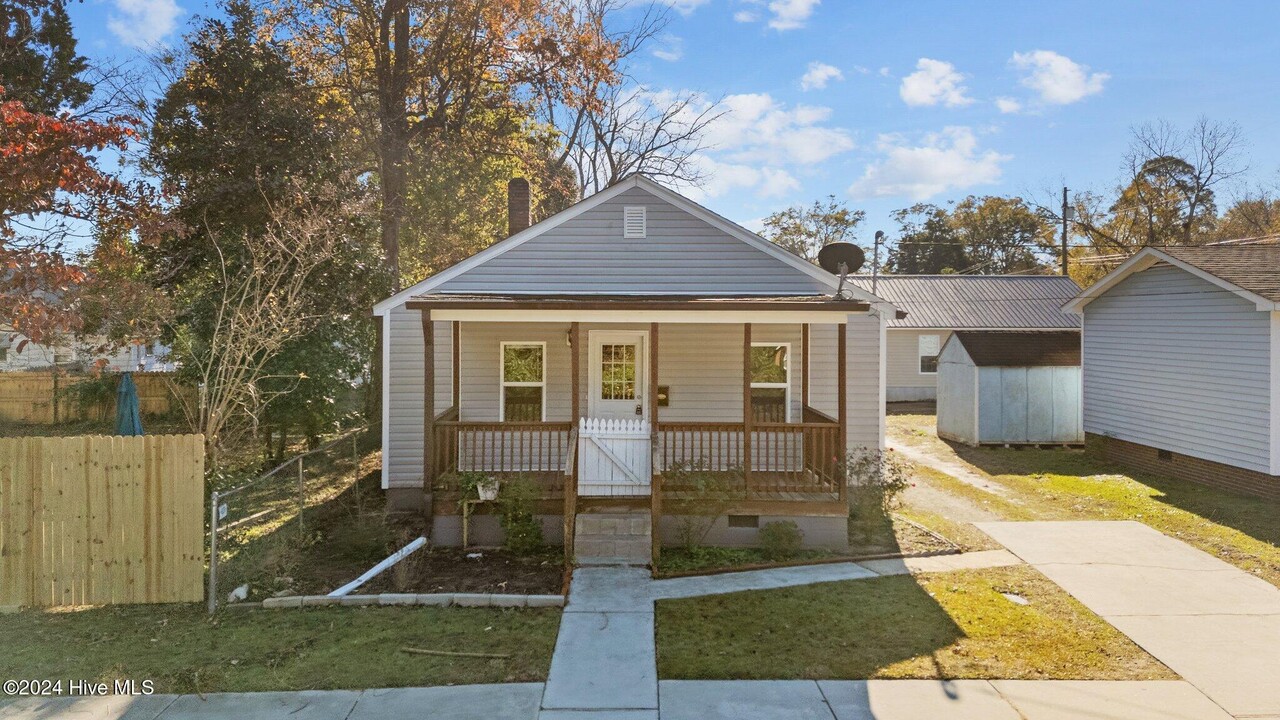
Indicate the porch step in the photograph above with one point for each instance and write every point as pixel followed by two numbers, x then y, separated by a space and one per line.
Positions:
pixel 613 537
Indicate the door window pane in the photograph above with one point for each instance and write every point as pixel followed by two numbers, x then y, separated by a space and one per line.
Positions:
pixel 618 372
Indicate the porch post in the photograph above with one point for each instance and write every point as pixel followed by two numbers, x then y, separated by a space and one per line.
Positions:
pixel 653 375
pixel 804 369
pixel 842 405
pixel 428 405
pixel 747 421
pixel 575 363
pixel 457 367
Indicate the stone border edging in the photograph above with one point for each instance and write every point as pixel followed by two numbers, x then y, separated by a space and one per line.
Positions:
pixel 404 599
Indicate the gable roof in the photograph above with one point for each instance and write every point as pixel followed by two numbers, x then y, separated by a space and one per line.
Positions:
pixel 977 302
pixel 1250 271
pixel 1021 348
pixel 729 228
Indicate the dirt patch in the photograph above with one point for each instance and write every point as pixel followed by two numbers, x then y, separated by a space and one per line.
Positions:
pixel 442 570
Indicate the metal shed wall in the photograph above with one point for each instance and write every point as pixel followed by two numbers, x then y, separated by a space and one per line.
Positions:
pixel 957 395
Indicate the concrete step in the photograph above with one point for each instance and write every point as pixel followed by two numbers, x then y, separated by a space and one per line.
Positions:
pixel 613 538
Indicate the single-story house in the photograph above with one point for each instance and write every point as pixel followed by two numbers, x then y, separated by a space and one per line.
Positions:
pixel 20 353
pixel 938 305
pixel 1182 364
pixel 1010 387
pixel 636 317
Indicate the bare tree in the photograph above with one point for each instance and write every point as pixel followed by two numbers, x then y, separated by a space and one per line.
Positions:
pixel 265 301
pixel 617 126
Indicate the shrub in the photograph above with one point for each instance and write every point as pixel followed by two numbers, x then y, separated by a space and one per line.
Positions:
pixel 516 504
pixel 781 540
pixel 875 480
pixel 705 494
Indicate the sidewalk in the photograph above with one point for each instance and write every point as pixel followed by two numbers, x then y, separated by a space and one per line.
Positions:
pixel 680 700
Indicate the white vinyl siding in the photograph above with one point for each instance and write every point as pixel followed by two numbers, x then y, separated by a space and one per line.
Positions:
pixel 906 382
pixel 1174 362
pixel 402 449
pixel 681 254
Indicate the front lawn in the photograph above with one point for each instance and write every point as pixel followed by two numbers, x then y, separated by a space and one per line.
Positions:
pixel 184 651
pixel 1060 484
pixel 939 625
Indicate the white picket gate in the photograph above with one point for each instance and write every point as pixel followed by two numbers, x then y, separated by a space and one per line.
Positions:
pixel 614 457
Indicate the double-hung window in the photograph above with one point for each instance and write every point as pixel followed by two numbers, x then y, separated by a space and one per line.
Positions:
pixel 524 382
pixel 929 346
pixel 770 382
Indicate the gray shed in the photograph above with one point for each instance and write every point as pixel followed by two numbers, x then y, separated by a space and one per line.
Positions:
pixel 1010 388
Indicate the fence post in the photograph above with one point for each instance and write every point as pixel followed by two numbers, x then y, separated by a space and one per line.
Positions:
pixel 302 503
pixel 213 552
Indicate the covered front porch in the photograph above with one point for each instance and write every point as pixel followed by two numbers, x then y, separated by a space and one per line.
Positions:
pixel 619 402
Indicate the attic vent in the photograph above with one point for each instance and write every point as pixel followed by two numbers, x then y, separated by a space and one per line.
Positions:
pixel 633 222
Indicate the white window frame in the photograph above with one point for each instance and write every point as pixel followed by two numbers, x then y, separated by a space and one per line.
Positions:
pixel 920 354
pixel 643 212
pixel 784 385
pixel 502 376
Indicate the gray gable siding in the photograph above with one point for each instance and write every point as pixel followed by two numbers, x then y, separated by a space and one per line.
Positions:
pixel 681 255
pixel 1174 362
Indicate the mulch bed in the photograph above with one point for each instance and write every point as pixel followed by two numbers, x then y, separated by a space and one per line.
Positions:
pixel 443 570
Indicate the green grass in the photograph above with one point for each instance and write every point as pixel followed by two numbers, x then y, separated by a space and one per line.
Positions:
pixel 183 650
pixel 1060 484
pixel 942 625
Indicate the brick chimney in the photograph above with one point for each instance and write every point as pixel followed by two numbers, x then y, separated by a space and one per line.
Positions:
pixel 518 211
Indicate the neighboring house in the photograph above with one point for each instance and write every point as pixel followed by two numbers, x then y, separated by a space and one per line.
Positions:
pixel 632 333
pixel 1010 388
pixel 937 305
pixel 1182 364
pixel 18 352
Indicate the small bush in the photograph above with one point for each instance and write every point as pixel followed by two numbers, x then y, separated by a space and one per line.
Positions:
pixel 516 505
pixel 781 540
pixel 875 479
pixel 705 494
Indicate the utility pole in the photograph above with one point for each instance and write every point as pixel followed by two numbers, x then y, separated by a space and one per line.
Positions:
pixel 875 261
pixel 1066 216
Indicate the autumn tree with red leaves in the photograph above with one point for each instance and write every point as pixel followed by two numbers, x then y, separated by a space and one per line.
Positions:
pixel 52 188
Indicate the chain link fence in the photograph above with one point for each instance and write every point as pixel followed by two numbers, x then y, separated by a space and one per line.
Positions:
pixel 260 526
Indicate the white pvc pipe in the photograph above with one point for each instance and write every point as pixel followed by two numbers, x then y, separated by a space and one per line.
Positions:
pixel 376 570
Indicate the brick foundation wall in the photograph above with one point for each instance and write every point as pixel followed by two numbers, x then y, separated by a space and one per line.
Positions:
pixel 1185 467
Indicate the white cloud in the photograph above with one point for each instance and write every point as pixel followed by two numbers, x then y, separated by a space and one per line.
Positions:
pixel 757 128
pixel 758 145
pixel 684 7
pixel 941 162
pixel 884 72
pixel 818 75
pixel 783 14
pixel 933 82
pixel 1057 79
pixel 1008 105
pixel 669 48
pixel 143 23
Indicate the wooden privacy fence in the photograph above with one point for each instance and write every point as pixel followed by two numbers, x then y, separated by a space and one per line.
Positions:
pixel 29 397
pixel 91 520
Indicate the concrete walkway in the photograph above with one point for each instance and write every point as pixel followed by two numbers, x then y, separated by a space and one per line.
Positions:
pixel 680 700
pixel 1212 623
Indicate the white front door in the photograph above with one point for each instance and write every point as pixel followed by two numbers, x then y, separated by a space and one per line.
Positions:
pixel 616 375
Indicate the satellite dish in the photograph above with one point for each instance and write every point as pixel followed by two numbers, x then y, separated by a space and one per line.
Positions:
pixel 841 258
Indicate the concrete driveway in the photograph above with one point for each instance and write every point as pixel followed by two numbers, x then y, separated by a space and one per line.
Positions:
pixel 1212 623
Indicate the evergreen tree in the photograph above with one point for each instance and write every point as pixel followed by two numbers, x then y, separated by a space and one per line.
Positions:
pixel 39 65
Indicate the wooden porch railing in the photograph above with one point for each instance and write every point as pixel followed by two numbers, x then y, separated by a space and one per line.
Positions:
pixel 499 448
pixel 787 461
pixel 570 494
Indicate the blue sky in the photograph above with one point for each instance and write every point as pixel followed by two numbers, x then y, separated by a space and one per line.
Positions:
pixel 915 101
